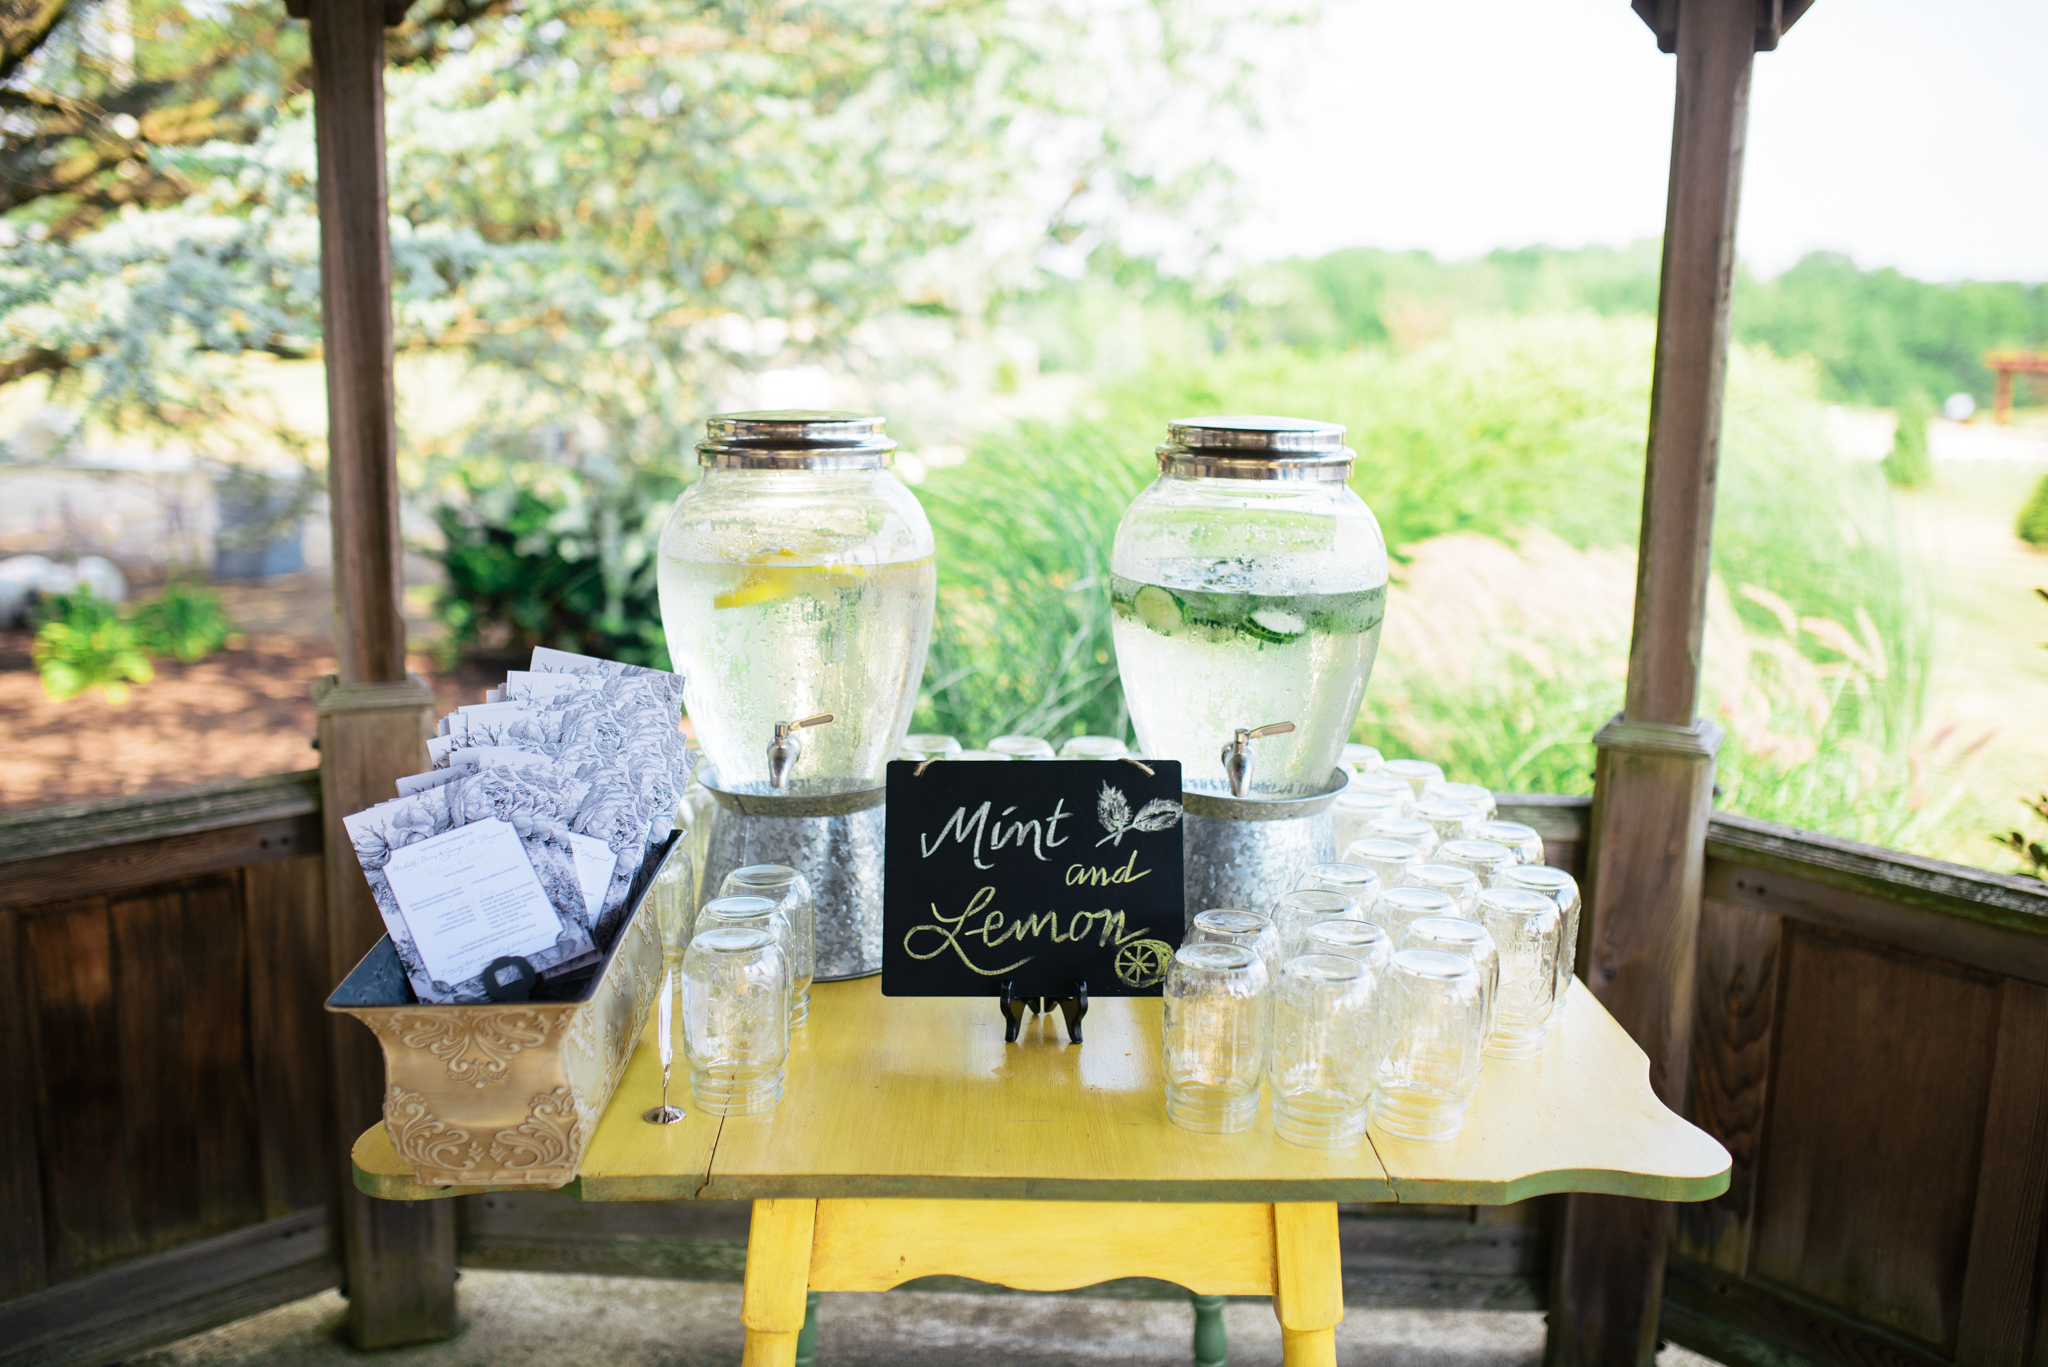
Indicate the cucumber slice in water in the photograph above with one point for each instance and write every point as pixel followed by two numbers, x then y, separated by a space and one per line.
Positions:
pixel 1274 624
pixel 1156 608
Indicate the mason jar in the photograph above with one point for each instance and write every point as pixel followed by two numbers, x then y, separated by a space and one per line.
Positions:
pixel 1248 584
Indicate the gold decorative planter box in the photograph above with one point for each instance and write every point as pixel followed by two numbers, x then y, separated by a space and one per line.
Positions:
pixel 507 1093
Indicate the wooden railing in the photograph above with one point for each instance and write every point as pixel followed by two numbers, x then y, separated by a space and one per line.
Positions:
pixel 1871 1044
pixel 168 1158
pixel 1870 1041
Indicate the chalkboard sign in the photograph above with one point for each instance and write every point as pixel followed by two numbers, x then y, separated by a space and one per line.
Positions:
pixel 1039 874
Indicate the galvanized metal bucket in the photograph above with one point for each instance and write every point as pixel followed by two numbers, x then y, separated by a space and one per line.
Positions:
pixel 834 840
pixel 1247 852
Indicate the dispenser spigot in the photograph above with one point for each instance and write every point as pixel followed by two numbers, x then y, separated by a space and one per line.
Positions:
pixel 787 747
pixel 1237 756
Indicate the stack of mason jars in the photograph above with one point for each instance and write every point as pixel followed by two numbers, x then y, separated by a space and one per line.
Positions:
pixel 929 747
pixel 745 984
pixel 1372 992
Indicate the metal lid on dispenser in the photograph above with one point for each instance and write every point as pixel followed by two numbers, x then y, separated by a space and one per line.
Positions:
pixel 1255 447
pixel 795 439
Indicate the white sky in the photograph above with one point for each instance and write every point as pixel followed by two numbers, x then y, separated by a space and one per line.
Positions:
pixel 1902 132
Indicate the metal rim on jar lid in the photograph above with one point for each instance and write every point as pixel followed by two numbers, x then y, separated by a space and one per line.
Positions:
pixel 1255 446
pixel 795 439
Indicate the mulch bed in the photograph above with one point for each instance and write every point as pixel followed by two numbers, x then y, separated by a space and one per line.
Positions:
pixel 238 714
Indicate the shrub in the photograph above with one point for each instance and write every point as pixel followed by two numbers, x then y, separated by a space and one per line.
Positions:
pixel 1907 465
pixel 540 554
pixel 85 643
pixel 186 623
pixel 2033 524
pixel 2033 853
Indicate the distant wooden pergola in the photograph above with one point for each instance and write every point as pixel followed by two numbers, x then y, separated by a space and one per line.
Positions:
pixel 1655 774
pixel 2005 365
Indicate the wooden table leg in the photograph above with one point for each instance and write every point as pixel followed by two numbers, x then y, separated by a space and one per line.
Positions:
pixel 1212 1344
pixel 1308 1295
pixel 807 1337
pixel 778 1273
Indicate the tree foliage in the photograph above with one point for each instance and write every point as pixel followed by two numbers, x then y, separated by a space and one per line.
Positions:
pixel 160 107
pixel 1877 336
pixel 2033 519
pixel 606 209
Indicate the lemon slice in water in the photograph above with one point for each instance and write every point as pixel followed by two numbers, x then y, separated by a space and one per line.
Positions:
pixel 764 583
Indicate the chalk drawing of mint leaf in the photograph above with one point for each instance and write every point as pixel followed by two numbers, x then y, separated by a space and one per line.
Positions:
pixel 1157 815
pixel 1114 812
pixel 1113 809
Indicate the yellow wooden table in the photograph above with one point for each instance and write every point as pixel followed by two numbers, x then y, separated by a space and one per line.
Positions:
pixel 912 1141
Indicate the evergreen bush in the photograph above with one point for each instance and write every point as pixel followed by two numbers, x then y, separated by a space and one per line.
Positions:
pixel 2033 524
pixel 1908 466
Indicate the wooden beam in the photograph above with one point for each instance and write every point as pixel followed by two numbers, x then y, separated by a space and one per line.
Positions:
pixel 373 721
pixel 136 864
pixel 107 1315
pixel 1747 1323
pixel 400 1258
pixel 107 821
pixel 355 302
pixel 1653 783
pixel 1773 17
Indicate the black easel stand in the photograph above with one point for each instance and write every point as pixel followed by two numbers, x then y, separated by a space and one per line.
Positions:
pixel 1073 1007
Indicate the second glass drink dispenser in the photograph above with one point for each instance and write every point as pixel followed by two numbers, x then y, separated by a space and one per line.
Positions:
pixel 1249 583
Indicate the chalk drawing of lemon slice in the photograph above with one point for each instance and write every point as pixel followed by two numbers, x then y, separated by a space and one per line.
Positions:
pixel 1143 963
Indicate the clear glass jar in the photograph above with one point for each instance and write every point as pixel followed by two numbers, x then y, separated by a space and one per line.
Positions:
pixel 1235 926
pixel 1456 935
pixel 1295 912
pixel 751 911
pixel 1524 926
pixel 1360 940
pixel 1387 858
pixel 797 579
pixel 1563 889
pixel 791 893
pixel 1321 1070
pixel 674 896
pixel 1213 1040
pixel 735 993
pixel 1361 884
pixel 1248 585
pixel 1430 1038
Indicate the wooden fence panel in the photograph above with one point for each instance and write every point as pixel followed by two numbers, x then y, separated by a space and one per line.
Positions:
pixel 1871 1149
pixel 171 1160
pixel 1734 1014
pixel 21 1179
pixel 87 1221
pixel 187 1097
pixel 1871 1043
pixel 2006 1232
pixel 298 1138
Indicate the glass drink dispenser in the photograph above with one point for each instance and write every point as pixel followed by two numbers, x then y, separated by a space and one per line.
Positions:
pixel 1248 584
pixel 797 586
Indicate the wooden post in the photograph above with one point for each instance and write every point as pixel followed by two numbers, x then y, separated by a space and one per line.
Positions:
pixel 1654 779
pixel 373 719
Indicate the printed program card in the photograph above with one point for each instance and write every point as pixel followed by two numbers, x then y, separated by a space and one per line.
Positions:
pixel 470 896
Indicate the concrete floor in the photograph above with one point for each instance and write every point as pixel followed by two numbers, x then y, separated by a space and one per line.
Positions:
pixel 517 1319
